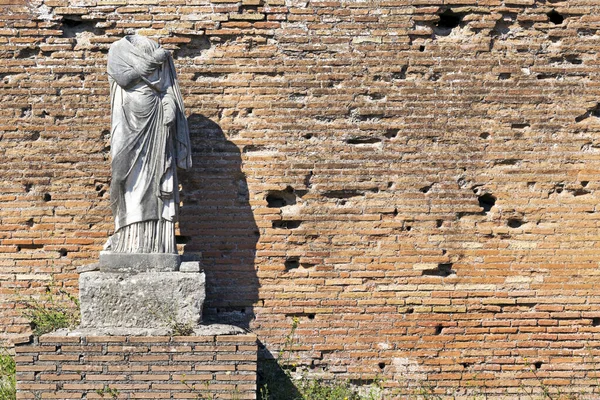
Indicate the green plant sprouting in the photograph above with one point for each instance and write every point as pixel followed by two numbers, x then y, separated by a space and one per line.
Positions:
pixel 108 392
pixel 8 381
pixel 55 309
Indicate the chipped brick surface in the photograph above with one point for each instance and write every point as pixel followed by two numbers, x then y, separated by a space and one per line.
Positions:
pixel 414 180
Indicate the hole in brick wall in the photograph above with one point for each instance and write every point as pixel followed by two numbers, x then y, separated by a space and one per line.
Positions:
pixel 253 147
pixel 30 247
pixel 421 48
pixel 181 239
pixel 508 161
pixel 426 188
pixel 292 263
pixel 520 126
pixel 310 316
pixel 74 25
pixel 573 59
pixel 400 74
pixel 439 223
pixel 342 194
pixel 391 133
pixel 515 223
pixel 410 310
pixel 193 48
pixel 29 222
pixel 438 329
pixel 579 192
pixel 212 75
pixel 558 188
pixel 281 198
pixel 34 136
pixel 63 252
pixel 297 96
pixel 596 321
pixel 286 224
pixel 555 17
pixel 363 140
pixel 504 76
pixel 592 112
pixel 307 179
pixel 484 135
pixel 28 187
pixel 448 21
pixel 376 96
pixel 443 270
pixel 408 228
pixel 444 251
pixel 547 76
pixel 584 183
pixel 27 52
pixel 466 365
pixel 312 364
pixel 538 364
pixel 395 213
pixel 26 112
pixel 381 365
pixel 486 201
pixel 308 136
pixel 47 197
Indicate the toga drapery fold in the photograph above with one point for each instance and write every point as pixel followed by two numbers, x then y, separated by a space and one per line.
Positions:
pixel 149 135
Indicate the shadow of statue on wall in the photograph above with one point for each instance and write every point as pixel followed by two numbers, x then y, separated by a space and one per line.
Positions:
pixel 217 225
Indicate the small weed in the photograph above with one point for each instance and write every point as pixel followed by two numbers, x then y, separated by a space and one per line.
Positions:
pixel 8 381
pixel 109 392
pixel 56 309
pixel 181 329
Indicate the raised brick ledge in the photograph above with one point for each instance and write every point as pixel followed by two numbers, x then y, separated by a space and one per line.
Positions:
pixel 138 367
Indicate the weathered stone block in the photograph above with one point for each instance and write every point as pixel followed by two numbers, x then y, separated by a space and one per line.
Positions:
pixel 144 300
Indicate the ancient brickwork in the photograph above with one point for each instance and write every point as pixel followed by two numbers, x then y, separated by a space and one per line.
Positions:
pixel 414 180
pixel 138 367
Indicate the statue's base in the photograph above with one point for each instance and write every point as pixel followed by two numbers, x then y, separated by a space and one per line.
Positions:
pixel 142 300
pixel 214 363
pixel 138 262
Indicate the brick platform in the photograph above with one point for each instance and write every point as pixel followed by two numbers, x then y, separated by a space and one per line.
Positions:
pixel 138 367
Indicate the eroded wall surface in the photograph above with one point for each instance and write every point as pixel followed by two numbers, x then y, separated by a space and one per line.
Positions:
pixel 414 180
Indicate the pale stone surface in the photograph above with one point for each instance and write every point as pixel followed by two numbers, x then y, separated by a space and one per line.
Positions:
pixel 202 330
pixel 138 262
pixel 144 300
pixel 88 268
pixel 189 266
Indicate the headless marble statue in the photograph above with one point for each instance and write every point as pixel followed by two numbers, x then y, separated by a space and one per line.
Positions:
pixel 149 140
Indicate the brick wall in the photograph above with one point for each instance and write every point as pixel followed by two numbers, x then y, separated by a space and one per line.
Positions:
pixel 142 367
pixel 415 180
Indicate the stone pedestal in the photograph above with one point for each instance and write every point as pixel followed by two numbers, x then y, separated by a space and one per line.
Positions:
pixel 144 300
pixel 141 291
